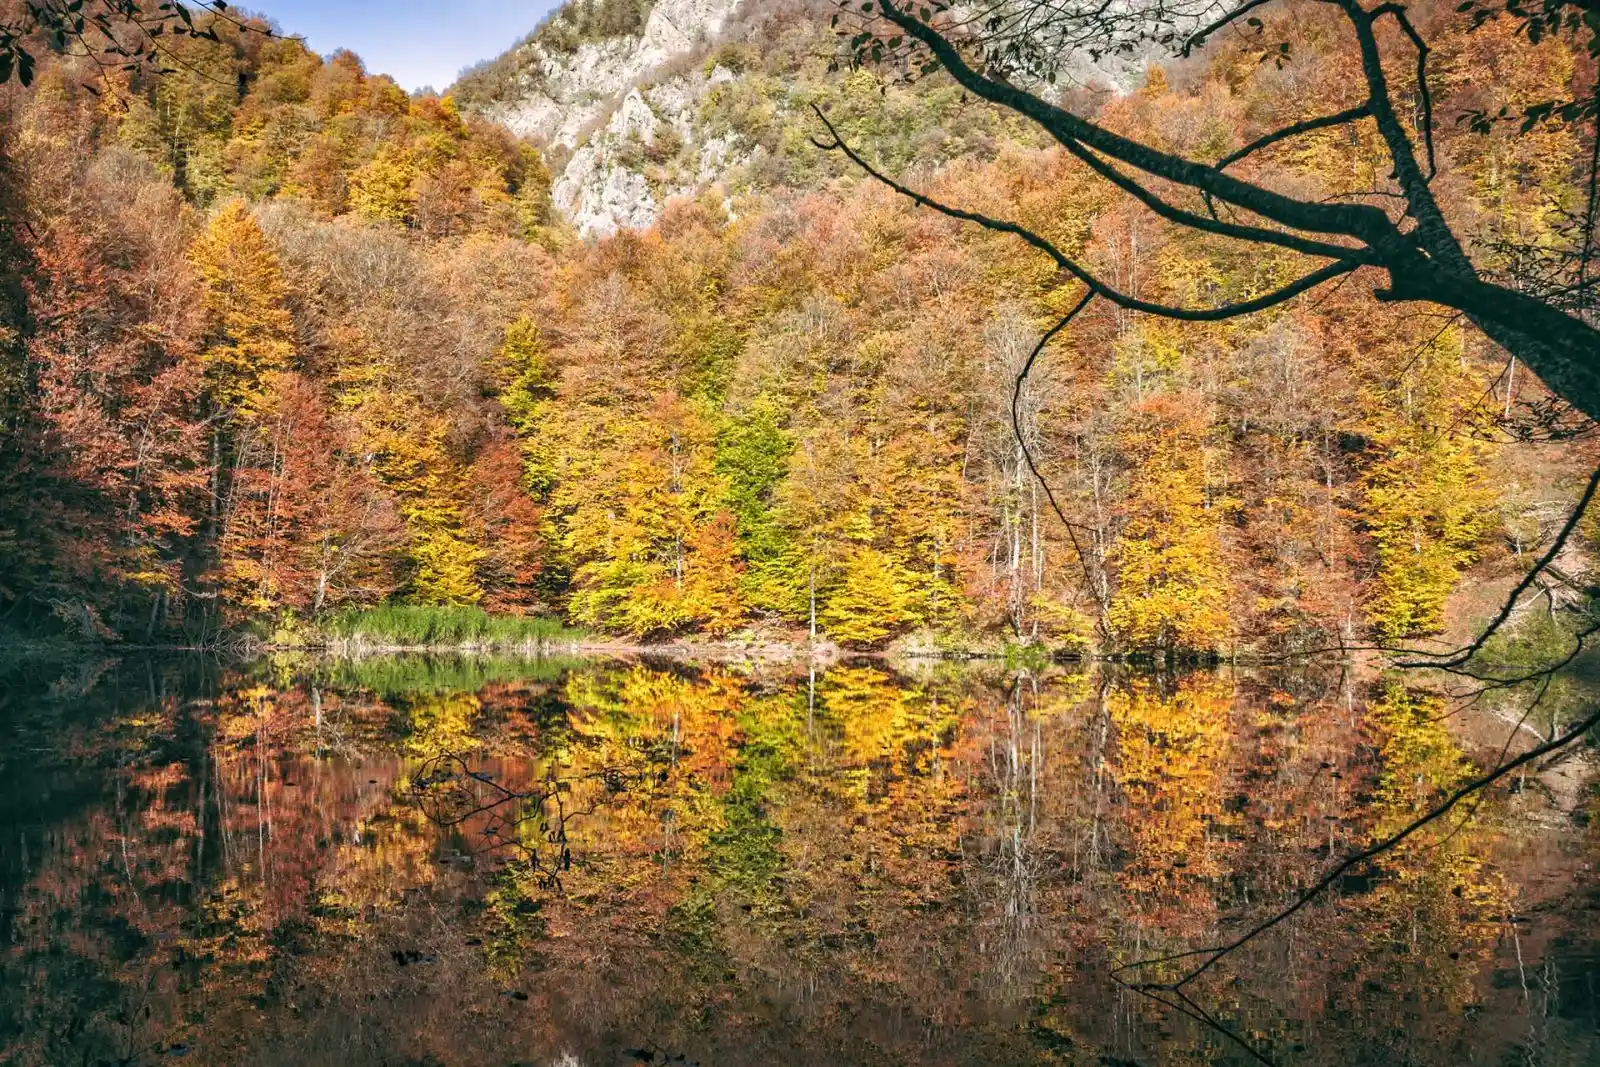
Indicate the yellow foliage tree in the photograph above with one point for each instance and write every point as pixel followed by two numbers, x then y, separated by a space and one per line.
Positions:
pixel 1425 504
pixel 251 332
pixel 1172 586
pixel 872 599
pixel 642 502
pixel 383 188
pixel 413 460
pixel 714 576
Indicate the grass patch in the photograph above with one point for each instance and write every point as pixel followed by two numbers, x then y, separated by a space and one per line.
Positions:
pixel 409 625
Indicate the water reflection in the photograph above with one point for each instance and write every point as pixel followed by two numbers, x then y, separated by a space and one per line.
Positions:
pixel 479 862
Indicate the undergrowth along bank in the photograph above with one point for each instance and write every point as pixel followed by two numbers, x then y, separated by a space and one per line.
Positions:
pixel 408 625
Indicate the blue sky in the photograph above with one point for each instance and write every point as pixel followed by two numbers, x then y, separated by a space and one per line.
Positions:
pixel 418 42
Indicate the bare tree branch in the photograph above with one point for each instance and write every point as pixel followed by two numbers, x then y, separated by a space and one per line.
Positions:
pixel 1027 453
pixel 1399 13
pixel 1465 653
pixel 1361 221
pixel 1353 114
pixel 1426 263
pixel 1199 37
pixel 836 143
pixel 1257 234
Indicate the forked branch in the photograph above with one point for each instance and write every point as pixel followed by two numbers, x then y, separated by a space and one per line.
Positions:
pixel 836 143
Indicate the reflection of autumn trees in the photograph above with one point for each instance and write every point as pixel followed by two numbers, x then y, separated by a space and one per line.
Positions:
pixel 171 891
pixel 1424 923
pixel 1170 764
pixel 847 865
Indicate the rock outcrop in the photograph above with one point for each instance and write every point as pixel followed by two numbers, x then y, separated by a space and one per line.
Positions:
pixel 567 93
pixel 606 101
pixel 622 115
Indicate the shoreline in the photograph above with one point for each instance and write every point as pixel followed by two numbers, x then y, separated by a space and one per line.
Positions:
pixel 821 653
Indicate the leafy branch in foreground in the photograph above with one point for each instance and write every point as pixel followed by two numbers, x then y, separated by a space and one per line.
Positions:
pixel 113 35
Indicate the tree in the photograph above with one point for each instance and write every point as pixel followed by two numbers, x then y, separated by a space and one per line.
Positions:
pixel 250 330
pixel 505 521
pixel 1171 584
pixel 307 526
pixel 871 600
pixel 713 576
pixel 1425 503
pixel 384 188
pixel 103 472
pixel 991 53
pixel 651 545
pixel 753 454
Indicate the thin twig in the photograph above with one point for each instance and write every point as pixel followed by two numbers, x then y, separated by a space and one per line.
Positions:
pixel 1027 453
pixel 1217 953
pixel 1339 119
pixel 1463 654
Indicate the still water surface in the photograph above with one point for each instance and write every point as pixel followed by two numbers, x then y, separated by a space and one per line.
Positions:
pixel 432 861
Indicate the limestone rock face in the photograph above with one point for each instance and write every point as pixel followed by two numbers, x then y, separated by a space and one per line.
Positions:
pixel 591 101
pixel 604 186
pixel 622 116
pixel 567 94
pixel 597 190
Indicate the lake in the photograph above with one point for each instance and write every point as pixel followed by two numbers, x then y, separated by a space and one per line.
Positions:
pixel 421 861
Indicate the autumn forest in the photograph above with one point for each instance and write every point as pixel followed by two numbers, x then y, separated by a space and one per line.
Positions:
pixel 282 342
pixel 765 531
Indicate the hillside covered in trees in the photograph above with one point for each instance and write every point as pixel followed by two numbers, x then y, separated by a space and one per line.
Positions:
pixel 279 341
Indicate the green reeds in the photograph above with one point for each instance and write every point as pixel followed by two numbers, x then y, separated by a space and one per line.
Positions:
pixel 416 626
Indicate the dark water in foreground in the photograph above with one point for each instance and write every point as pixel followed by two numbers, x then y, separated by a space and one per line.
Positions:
pixel 445 862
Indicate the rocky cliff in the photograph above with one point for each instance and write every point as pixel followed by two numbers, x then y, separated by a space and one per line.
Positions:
pixel 609 106
pixel 690 93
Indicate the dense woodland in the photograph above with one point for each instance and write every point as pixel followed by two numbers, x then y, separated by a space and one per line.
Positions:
pixel 280 341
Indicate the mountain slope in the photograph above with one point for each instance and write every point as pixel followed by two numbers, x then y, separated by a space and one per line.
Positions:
pixel 638 105
pixel 597 84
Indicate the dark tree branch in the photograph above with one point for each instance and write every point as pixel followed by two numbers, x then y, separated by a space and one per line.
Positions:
pixel 1434 233
pixel 1426 264
pixel 1400 16
pixel 1353 114
pixel 1199 37
pixel 836 143
pixel 1462 655
pixel 1591 206
pixel 1027 453
pixel 1580 641
pixel 1213 224
pixel 1353 220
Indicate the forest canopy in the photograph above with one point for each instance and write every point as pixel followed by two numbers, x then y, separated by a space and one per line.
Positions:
pixel 282 341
